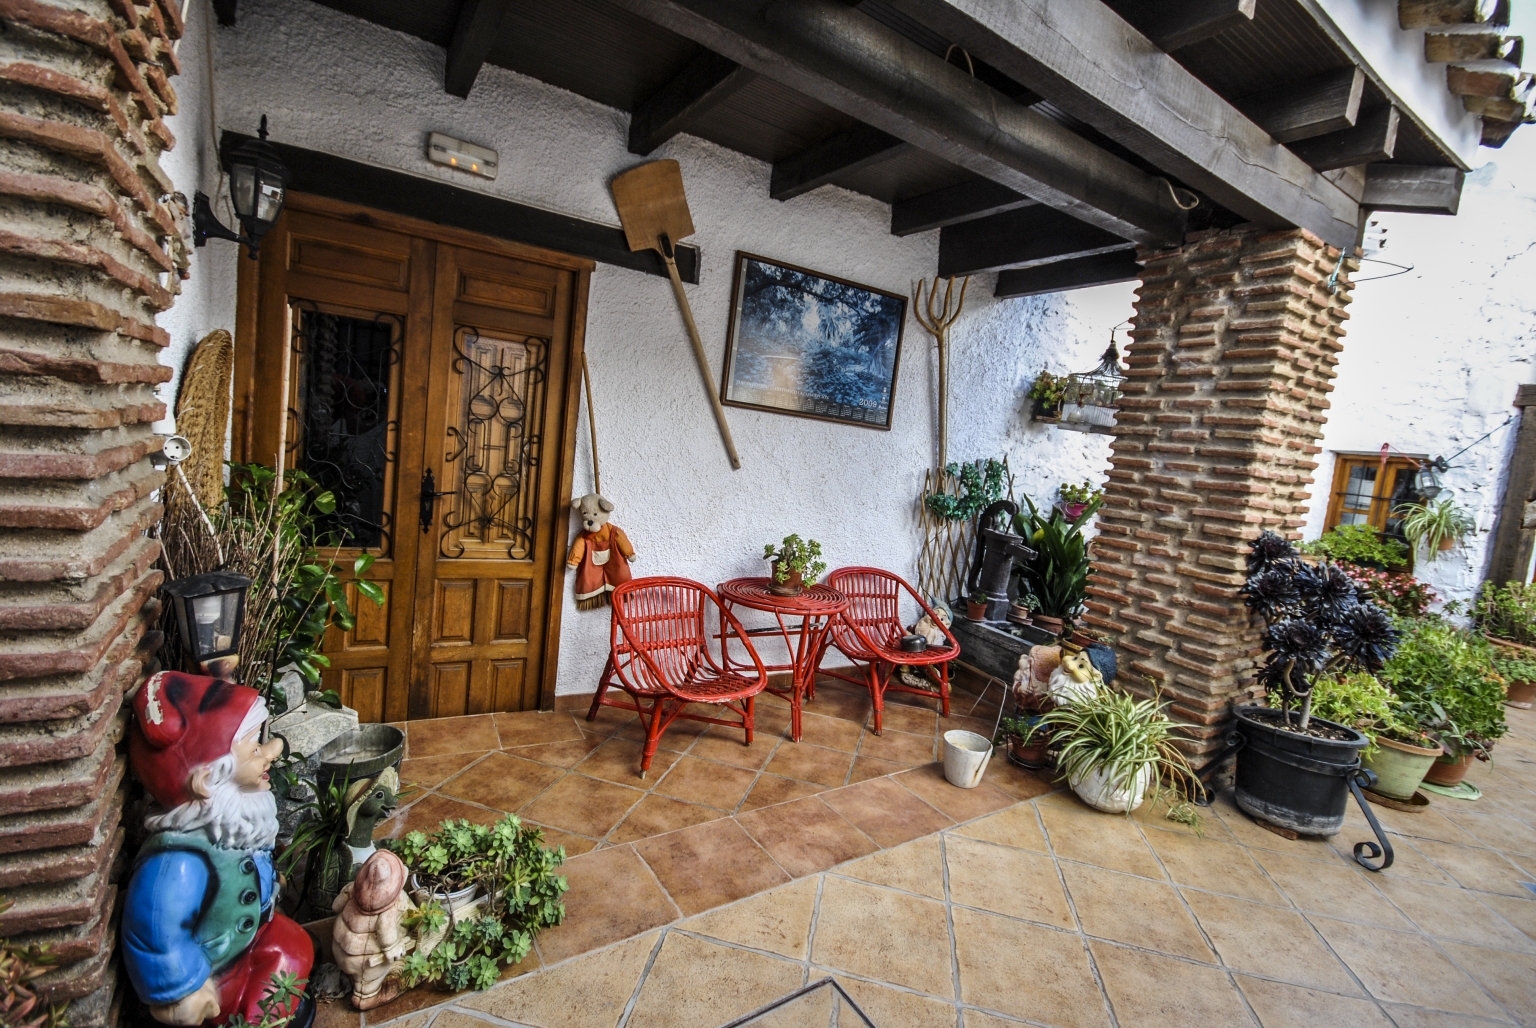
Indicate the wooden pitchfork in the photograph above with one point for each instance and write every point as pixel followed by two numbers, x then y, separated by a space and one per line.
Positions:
pixel 938 323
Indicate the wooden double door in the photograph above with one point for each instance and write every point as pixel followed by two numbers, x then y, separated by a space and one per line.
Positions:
pixel 430 387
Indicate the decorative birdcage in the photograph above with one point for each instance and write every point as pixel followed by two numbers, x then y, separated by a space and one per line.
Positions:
pixel 1090 397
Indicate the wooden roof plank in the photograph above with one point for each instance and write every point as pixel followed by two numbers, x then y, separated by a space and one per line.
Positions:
pixel 1327 103
pixel 952 205
pixel 474 33
pixel 704 83
pixel 1020 238
pixel 1076 273
pixel 859 147
pixel 1373 138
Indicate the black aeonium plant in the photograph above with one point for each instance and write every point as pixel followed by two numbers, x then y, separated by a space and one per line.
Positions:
pixel 1317 622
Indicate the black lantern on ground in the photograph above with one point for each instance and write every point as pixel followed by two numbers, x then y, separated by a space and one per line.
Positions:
pixel 258 184
pixel 210 609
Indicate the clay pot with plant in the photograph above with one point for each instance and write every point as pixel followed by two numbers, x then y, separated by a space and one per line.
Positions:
pixel 1506 614
pixel 1400 751
pixel 1519 671
pixel 797 563
pixel 1027 744
pixel 1437 527
pixel 1045 396
pixel 976 606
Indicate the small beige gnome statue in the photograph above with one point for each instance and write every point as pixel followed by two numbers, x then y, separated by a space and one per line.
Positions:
pixel 368 939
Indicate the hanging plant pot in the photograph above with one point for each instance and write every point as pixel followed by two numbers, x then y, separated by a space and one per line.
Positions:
pixel 1447 543
pixel 1292 780
pixel 1399 767
pixel 1096 789
pixel 1448 770
pixel 1047 413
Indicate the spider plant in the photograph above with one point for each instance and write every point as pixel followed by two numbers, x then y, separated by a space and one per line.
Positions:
pixel 1434 525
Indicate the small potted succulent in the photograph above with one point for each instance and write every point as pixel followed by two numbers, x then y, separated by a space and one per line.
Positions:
pixel 1027 743
pixel 1519 673
pixel 1437 526
pixel 976 606
pixel 1076 498
pixel 1045 396
pixel 797 563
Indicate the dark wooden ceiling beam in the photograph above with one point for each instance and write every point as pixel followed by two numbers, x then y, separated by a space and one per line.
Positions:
pixel 1076 273
pixel 1373 138
pixel 1089 62
pixel 860 147
pixel 224 11
pixel 704 83
pixel 474 33
pixel 1301 110
pixel 1020 238
pixel 1427 14
pixel 1175 24
pixel 951 205
pixel 847 60
pixel 1412 190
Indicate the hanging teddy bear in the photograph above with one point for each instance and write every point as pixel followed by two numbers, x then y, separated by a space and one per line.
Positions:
pixel 601 553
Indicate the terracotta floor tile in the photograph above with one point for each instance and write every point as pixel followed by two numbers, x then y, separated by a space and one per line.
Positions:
pixel 778 920
pixel 502 781
pixel 1401 967
pixel 1451 913
pixel 1018 826
pixel 336 1014
pixel 836 703
pixel 1005 880
pixel 1132 910
pixel 1212 866
pixel 886 812
pixel 425 814
pixel 1508 834
pixel 1408 862
pixel 671 740
pixel 1331 888
pixel 771 789
pixel 1519 912
pixel 888 936
pixel 865 768
pixel 612 896
pixel 1291 1006
pixel 657 815
pixel 1016 781
pixel 429 772
pixel 916 866
pixel 729 750
pixel 811 764
pixel 1152 991
pixel 535 726
pixel 704 781
pixel 1479 869
pixel 435 736
pixel 697 984
pixel 710 864
pixel 575 845
pixel 1509 977
pixel 618 761
pixel 1108 840
pixel 900 717
pixel 1416 1017
pixel 586 806
pixel 805 836
pixel 1424 824
pixel 887 1006
pixel 998 955
pixel 833 733
pixel 901 747
pixel 982 726
pixel 560 754
pixel 929 782
pixel 588 993
pixel 608 721
pixel 1270 941
pixel 408 1002
pixel 1154 814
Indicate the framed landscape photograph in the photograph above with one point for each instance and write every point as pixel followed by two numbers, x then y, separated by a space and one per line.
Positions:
pixel 812 345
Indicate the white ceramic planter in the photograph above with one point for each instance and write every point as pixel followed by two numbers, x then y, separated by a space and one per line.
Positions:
pixel 1095 790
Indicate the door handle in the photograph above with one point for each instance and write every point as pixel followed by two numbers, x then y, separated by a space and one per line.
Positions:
pixel 429 495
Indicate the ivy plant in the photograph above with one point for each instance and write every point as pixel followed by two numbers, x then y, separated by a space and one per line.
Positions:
pixel 981 483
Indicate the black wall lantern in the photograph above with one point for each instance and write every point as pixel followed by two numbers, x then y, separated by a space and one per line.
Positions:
pixel 258 183
pixel 210 609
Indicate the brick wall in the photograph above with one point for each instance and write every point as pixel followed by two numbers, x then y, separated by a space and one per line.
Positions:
pixel 1236 336
pixel 85 266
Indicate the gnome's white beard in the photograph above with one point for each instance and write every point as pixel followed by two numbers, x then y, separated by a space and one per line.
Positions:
pixel 233 818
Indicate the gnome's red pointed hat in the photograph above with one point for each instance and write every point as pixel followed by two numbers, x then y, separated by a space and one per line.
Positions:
pixel 182 722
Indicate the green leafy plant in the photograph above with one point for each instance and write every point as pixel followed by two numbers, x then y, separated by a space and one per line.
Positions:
pixel 1446 680
pixel 516 876
pixel 1516 669
pixel 981 483
pixel 278 1004
pixel 1430 524
pixel 1114 734
pixel 1058 576
pixel 20 966
pixel 1046 392
pixel 1397 591
pixel 1015 728
pixel 795 554
pixel 1358 700
pixel 1507 611
pixel 1085 493
pixel 1359 544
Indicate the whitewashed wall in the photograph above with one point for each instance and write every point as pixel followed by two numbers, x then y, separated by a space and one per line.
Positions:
pixel 337 84
pixel 1433 357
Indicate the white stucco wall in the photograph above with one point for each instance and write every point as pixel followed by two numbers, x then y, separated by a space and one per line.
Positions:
pixel 1433 357
pixel 333 83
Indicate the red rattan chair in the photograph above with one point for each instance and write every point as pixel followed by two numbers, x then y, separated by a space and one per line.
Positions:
pixel 661 657
pixel 869 632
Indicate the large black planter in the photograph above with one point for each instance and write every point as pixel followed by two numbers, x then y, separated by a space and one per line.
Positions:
pixel 1293 780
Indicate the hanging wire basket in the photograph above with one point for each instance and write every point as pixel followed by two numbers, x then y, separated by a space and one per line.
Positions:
pixel 1090 398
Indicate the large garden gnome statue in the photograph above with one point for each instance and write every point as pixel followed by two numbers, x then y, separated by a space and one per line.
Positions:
pixel 202 940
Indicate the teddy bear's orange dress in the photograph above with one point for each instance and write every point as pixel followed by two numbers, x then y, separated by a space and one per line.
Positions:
pixel 601 560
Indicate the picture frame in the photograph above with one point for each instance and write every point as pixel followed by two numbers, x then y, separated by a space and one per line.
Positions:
pixel 811 345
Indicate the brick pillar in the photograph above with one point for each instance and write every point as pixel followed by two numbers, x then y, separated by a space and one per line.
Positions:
pixel 83 271
pixel 1235 341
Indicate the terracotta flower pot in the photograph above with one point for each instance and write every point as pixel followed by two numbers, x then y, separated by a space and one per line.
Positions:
pixel 1446 771
pixel 975 611
pixel 1447 543
pixel 1520 694
pixel 792 585
pixel 1030 754
pixel 1399 767
pixel 1052 625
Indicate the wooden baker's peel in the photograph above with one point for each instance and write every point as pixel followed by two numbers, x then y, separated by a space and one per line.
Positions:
pixel 654 212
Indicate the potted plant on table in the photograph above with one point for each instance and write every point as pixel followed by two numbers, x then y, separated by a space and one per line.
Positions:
pixel 1292 768
pixel 1076 498
pixel 797 563
pixel 1437 526
pixel 976 606
pixel 1045 396
pixel 1058 576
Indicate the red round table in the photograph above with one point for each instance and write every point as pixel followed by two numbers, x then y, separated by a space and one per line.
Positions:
pixel 815 607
